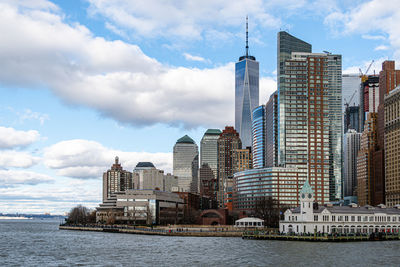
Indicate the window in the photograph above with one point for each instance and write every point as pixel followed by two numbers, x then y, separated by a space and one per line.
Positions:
pixel 333 218
pixel 353 218
pixel 315 218
pixel 346 218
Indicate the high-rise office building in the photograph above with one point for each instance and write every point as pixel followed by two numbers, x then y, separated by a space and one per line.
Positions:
pixel 365 171
pixel 351 147
pixel 246 93
pixel 350 90
pixel 116 179
pixel 209 149
pixel 392 146
pixel 258 133
pixel 186 164
pixel 333 89
pixel 243 159
pixel 146 176
pixel 271 131
pixel 369 97
pixel 389 78
pixel 228 143
pixel 351 119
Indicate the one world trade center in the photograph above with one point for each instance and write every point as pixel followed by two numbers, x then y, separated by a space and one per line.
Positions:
pixel 246 93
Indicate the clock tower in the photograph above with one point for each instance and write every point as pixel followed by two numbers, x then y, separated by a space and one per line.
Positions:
pixel 306 202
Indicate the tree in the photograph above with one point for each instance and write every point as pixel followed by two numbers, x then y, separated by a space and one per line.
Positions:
pixel 267 208
pixel 78 215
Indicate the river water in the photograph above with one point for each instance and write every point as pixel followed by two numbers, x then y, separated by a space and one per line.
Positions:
pixel 40 243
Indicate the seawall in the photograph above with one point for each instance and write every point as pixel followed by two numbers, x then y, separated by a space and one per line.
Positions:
pixel 155 231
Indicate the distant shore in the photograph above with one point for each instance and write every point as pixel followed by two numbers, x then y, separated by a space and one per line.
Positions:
pixel 14 218
pixel 197 231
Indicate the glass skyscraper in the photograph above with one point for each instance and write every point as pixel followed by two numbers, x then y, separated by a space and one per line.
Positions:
pixel 186 164
pixel 209 150
pixel 286 45
pixel 246 94
pixel 258 131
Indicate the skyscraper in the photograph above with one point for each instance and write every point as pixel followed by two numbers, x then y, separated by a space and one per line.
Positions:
pixel 369 97
pixel 246 93
pixel 351 119
pixel 392 145
pixel 350 90
pixel 228 143
pixel 186 164
pixel 351 148
pixel 116 179
pixel 365 171
pixel 313 123
pixel 209 149
pixel 258 132
pixel 286 45
pixel 271 131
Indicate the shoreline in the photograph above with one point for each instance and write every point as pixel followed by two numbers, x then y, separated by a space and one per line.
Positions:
pixel 156 231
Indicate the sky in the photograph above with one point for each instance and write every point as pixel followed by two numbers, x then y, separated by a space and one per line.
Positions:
pixel 84 81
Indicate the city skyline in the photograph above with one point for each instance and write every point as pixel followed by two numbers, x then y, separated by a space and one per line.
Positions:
pixel 126 83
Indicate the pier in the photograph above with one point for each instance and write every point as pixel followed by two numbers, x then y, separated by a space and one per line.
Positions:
pixel 260 235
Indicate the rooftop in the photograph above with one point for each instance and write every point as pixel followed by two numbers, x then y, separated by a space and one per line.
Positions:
pixel 306 189
pixel 185 140
pixel 145 165
pixel 213 131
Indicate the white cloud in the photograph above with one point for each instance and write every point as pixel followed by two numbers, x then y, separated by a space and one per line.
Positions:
pixel 115 78
pixel 10 158
pixel 56 198
pixel 187 19
pixel 11 138
pixel 268 85
pixel 28 114
pixel 373 19
pixel 88 159
pixel 381 48
pixel 373 37
pixel 194 58
pixel 11 178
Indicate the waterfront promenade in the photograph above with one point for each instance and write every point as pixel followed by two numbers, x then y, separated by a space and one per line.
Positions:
pixel 261 235
pixel 175 230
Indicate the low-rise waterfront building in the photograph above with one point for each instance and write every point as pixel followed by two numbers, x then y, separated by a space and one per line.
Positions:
pixel 141 207
pixel 310 218
pixel 248 222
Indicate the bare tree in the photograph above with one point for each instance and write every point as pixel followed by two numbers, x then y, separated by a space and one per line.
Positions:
pixel 267 208
pixel 78 215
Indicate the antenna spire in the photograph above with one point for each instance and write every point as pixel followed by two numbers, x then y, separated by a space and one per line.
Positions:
pixel 247 36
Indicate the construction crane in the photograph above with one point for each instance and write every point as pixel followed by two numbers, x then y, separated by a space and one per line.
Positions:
pixel 364 76
pixel 351 98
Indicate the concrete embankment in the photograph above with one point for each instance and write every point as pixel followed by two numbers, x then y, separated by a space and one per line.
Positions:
pixel 321 238
pixel 157 231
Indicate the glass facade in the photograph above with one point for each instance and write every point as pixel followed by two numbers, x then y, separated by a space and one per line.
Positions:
pixel 186 164
pixel 246 96
pixel 286 45
pixel 209 149
pixel 258 132
pixel 271 131
pixel 283 184
pixel 351 148
pixel 334 99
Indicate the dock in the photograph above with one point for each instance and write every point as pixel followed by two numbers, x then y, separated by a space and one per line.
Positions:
pixel 320 237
